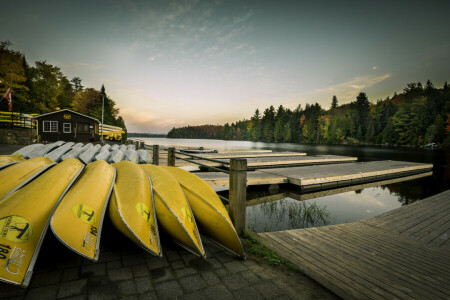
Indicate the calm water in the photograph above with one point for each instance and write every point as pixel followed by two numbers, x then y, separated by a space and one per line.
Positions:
pixel 279 209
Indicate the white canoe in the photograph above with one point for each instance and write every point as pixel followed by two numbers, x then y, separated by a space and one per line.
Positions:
pixel 88 155
pixel 144 156
pixel 56 154
pixel 116 156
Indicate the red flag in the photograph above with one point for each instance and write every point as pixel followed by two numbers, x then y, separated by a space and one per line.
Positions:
pixel 8 97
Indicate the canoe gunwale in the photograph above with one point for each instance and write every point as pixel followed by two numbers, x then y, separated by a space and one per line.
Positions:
pixel 29 180
pixel 97 246
pixel 9 164
pixel 202 250
pixel 231 225
pixel 29 272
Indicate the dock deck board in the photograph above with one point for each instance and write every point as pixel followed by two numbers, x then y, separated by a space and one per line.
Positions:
pixel 377 258
pixel 320 177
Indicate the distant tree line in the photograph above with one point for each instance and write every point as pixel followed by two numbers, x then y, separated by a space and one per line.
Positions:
pixel 417 116
pixel 44 88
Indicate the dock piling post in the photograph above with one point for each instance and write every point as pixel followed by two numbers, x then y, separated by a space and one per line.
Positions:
pixel 171 157
pixel 156 154
pixel 238 193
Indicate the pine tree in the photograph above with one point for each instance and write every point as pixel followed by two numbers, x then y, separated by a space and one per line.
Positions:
pixel 334 102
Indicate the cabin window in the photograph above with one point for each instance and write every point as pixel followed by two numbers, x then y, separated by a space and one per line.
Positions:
pixel 83 127
pixel 67 127
pixel 50 126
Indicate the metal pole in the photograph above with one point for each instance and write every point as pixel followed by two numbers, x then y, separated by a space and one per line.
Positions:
pixel 103 108
pixel 238 193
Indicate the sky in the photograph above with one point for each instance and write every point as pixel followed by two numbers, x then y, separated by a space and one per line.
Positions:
pixel 176 63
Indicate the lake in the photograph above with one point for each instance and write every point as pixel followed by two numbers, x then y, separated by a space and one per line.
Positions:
pixel 289 209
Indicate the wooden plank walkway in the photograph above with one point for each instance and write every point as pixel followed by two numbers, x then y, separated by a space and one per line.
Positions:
pixel 321 177
pixel 402 254
pixel 249 154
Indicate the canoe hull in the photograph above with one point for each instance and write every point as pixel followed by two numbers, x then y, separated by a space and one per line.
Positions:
pixel 132 211
pixel 78 220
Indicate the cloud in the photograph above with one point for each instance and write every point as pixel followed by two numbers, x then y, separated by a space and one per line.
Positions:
pixel 350 89
pixel 374 67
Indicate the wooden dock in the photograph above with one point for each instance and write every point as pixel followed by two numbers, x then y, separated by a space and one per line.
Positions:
pixel 321 177
pixel 401 254
pixel 271 162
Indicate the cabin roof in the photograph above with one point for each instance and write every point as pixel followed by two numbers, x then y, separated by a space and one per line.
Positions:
pixel 68 110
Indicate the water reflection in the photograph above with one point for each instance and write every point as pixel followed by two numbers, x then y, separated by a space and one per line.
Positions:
pixel 286 214
pixel 289 209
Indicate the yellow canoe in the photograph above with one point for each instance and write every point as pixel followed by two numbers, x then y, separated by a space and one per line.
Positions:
pixel 7 160
pixel 173 210
pixel 18 175
pixel 24 219
pixel 132 209
pixel 209 211
pixel 78 219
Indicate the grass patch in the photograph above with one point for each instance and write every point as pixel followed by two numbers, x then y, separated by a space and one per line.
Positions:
pixel 254 247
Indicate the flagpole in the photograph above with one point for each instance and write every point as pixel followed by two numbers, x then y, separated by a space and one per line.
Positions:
pixel 103 108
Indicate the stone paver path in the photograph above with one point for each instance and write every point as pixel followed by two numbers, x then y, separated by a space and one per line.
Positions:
pixel 125 271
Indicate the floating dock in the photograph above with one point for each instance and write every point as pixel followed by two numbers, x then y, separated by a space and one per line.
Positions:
pixel 401 254
pixel 321 177
pixel 270 162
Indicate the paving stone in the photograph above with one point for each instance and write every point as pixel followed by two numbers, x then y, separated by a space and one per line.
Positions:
pixel 268 289
pixel 148 296
pixel 10 291
pixel 171 255
pixel 161 274
pixel 252 277
pixel 79 297
pixel 109 256
pixel 192 283
pixel 157 262
pixel 235 266
pixel 285 297
pixel 71 274
pixel 224 257
pixel 114 264
pixel 130 260
pixel 127 287
pixel 70 261
pixel 130 297
pixel 248 293
pixel 72 288
pixel 203 264
pixel 185 272
pixel 221 272
pixel 178 264
pixel 45 292
pixel 218 292
pixel 210 278
pixel 47 278
pixel 143 285
pixel 234 282
pixel 140 270
pixel 98 269
pixel 102 289
pixel 120 274
pixel 193 296
pixel 168 289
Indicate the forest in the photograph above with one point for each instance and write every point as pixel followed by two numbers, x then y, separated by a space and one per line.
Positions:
pixel 417 116
pixel 43 88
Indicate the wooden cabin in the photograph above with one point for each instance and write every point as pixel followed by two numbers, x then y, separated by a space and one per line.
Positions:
pixel 67 125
